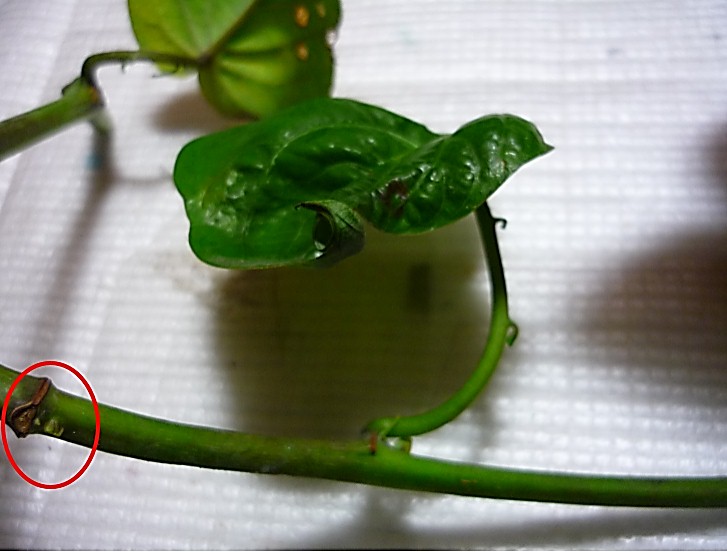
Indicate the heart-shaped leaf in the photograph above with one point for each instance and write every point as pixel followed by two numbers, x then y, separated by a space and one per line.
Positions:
pixel 254 57
pixel 291 189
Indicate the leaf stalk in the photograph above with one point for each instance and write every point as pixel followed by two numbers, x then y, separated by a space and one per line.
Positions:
pixel 500 334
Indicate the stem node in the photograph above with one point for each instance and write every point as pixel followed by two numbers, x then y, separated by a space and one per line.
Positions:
pixel 22 417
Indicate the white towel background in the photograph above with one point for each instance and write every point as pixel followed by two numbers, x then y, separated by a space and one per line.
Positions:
pixel 615 256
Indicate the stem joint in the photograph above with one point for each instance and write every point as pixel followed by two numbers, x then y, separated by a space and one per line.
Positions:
pixel 22 417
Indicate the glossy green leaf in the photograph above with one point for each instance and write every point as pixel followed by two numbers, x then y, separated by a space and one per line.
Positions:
pixel 254 57
pixel 293 188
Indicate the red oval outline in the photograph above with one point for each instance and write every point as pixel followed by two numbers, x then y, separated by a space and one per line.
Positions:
pixel 97 435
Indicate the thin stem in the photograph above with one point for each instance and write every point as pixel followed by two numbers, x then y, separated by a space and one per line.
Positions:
pixel 72 419
pixel 81 100
pixel 93 62
pixel 500 333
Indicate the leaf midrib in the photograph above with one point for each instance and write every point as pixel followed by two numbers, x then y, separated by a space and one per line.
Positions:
pixel 206 57
pixel 354 127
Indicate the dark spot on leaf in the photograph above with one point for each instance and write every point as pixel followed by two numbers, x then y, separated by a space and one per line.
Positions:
pixel 394 197
pixel 302 16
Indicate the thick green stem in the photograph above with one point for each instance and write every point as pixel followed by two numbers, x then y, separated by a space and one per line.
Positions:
pixel 80 100
pixel 501 332
pixel 72 419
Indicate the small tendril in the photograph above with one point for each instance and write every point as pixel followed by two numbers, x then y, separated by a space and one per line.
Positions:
pixel 512 333
pixel 501 221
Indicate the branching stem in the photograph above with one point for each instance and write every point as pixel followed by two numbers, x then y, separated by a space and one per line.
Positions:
pixel 80 100
pixel 502 331
pixel 39 408
pixel 72 419
pixel 124 57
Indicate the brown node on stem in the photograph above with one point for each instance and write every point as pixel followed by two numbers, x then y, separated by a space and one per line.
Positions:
pixel 22 416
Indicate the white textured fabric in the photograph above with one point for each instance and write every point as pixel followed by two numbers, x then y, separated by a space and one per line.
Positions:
pixel 615 254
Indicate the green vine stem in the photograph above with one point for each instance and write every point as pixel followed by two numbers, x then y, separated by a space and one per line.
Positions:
pixel 80 100
pixel 72 419
pixel 502 331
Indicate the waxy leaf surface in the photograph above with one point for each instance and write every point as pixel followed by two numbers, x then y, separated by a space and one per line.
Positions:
pixel 294 188
pixel 254 57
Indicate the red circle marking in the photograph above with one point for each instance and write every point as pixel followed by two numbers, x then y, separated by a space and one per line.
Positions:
pixel 96 412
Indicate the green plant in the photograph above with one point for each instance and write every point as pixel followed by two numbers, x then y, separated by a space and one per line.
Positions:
pixel 296 188
pixel 253 58
pixel 292 189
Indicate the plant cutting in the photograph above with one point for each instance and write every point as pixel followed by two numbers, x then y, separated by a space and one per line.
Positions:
pixel 252 58
pixel 298 187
